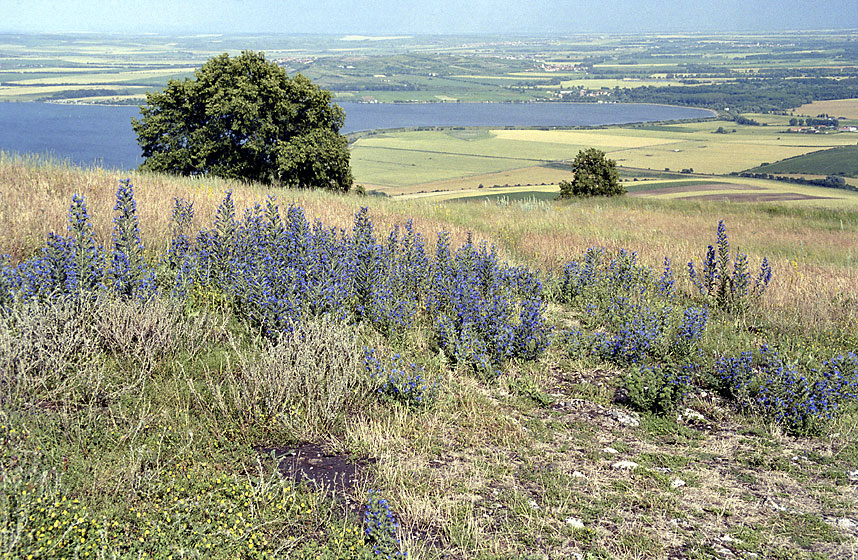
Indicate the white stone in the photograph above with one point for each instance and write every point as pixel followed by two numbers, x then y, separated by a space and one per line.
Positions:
pixel 624 418
pixel 690 415
pixel 610 450
pixel 846 524
pixel 575 522
pixel 677 483
pixel 625 465
pixel 853 476
pixel 578 474
pixel 533 504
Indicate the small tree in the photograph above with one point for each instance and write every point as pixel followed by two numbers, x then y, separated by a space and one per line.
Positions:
pixel 245 118
pixel 595 175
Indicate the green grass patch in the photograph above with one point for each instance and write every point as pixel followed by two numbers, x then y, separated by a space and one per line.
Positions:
pixel 833 161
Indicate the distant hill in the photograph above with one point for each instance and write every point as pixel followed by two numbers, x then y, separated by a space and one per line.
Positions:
pixel 833 161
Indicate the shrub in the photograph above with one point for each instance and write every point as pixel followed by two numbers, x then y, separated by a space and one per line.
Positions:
pixel 656 389
pixel 802 402
pixel 595 175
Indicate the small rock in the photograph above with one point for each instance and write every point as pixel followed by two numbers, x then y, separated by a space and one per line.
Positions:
pixel 610 450
pixel 853 476
pixel 678 483
pixel 578 474
pixel 692 416
pixel 533 504
pixel 728 539
pixel 575 522
pixel 775 506
pixel 846 524
pixel 662 470
pixel 625 465
pixel 624 418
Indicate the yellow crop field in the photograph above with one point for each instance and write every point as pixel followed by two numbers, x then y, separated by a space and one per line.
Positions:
pixel 582 137
pixel 837 107
pixel 717 157
pixel 105 77
pixel 608 83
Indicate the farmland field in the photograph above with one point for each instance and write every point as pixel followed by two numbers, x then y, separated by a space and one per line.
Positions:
pixel 832 161
pixel 662 69
pixel 425 161
pixel 836 107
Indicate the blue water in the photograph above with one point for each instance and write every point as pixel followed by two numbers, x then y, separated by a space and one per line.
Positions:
pixel 90 134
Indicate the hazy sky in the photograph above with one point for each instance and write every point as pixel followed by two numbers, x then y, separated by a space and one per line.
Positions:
pixel 412 17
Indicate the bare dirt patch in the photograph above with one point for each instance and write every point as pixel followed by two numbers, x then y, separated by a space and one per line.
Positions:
pixel 697 188
pixel 310 463
pixel 757 197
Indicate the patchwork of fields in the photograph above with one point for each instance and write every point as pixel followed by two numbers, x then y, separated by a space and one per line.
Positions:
pixel 457 163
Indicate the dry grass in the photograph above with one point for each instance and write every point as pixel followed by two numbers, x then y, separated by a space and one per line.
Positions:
pixel 811 251
pixel 836 107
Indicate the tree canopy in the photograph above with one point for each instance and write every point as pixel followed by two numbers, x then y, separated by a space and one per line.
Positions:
pixel 595 175
pixel 245 118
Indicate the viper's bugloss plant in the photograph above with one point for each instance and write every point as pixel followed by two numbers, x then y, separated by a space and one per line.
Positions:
pixel 657 389
pixel 180 223
pixel 128 275
pixel 75 266
pixel 733 290
pixel 801 401
pixel 405 383
pixel 381 527
pixel 666 282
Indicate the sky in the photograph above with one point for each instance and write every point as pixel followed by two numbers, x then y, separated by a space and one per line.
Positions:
pixel 386 17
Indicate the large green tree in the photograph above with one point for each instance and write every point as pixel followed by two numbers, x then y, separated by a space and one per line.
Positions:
pixel 595 175
pixel 245 118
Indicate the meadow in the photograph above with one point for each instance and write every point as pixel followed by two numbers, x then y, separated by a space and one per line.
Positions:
pixel 545 379
pixel 434 161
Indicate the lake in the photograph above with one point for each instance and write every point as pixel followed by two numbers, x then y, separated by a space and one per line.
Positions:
pixel 93 134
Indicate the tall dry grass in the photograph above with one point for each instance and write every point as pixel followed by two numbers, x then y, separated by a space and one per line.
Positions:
pixel 813 250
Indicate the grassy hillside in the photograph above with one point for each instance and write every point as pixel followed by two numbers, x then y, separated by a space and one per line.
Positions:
pixel 833 161
pixel 536 401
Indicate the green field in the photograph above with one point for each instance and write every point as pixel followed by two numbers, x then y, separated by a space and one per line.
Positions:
pixel 405 162
pixel 832 161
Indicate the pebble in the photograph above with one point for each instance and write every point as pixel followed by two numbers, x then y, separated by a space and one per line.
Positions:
pixel 853 476
pixel 575 522
pixel 624 418
pixel 610 450
pixel 677 483
pixel 578 474
pixel 625 465
pixel 846 524
pixel 724 552
pixel 533 504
